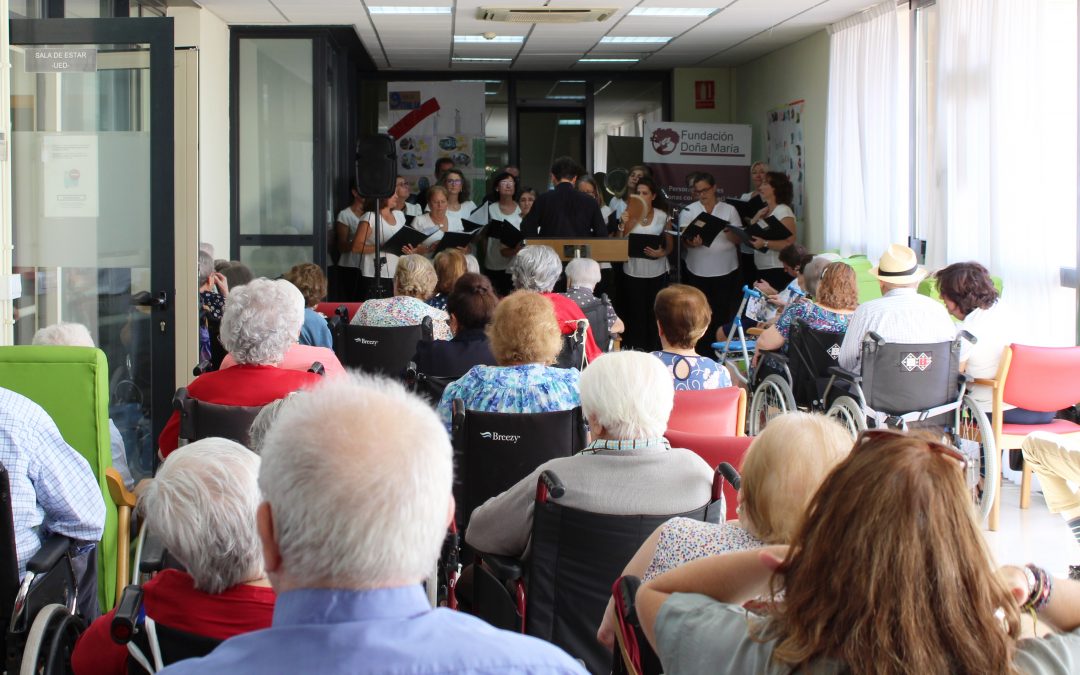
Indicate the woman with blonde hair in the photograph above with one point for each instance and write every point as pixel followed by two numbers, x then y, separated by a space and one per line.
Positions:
pixel 525 339
pixel 309 278
pixel 781 471
pixel 450 265
pixel 414 284
pixel 887 574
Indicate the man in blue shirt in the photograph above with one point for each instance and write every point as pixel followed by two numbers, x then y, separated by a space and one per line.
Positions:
pixel 356 476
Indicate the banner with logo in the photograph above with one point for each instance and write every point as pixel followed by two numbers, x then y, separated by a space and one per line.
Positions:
pixel 676 150
pixel 785 148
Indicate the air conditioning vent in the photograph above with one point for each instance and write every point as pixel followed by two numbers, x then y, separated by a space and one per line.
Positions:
pixel 545 14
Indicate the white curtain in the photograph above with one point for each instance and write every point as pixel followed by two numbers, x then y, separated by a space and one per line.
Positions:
pixel 866 148
pixel 1000 184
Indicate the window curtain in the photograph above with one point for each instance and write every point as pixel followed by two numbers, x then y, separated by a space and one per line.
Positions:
pixel 1001 185
pixel 866 148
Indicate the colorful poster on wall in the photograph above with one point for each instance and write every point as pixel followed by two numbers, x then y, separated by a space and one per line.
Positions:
pixel 675 150
pixel 432 120
pixel 785 149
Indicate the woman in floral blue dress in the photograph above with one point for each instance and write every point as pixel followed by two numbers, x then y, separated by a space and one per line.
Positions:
pixel 683 315
pixel 525 339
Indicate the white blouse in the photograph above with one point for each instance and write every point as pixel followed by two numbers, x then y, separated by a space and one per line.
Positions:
pixel 367 266
pixel 495 260
pixel 425 224
pixel 643 268
pixel 770 260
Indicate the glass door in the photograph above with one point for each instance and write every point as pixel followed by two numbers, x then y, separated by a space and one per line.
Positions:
pixel 544 134
pixel 92 216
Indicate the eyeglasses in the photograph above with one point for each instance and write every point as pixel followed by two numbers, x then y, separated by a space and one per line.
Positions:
pixel 453 181
pixel 870 435
pixel 507 182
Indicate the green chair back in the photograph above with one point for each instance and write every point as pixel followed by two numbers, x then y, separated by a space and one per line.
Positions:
pixel 928 287
pixel 867 285
pixel 72 385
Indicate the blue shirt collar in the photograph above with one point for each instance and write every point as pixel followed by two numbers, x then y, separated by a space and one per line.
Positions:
pixel 335 605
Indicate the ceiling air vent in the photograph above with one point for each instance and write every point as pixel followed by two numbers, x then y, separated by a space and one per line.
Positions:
pixel 545 14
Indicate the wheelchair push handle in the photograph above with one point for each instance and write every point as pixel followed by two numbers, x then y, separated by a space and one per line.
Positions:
pixel 126 616
pixel 730 474
pixel 549 485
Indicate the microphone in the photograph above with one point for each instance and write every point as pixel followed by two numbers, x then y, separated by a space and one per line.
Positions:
pixel 730 475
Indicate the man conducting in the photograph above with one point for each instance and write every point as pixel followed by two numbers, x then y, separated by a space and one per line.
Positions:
pixel 564 211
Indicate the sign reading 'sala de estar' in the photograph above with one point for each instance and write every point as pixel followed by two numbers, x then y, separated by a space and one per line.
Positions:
pixel 61 60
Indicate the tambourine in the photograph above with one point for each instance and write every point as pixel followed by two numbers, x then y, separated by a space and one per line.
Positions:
pixel 636 208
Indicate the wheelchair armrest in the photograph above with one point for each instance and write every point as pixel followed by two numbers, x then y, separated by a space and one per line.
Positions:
pixel 993 384
pixel 777 356
pixel 504 567
pixel 874 337
pixel 754 331
pixel 126 616
pixel 50 553
pixel 844 374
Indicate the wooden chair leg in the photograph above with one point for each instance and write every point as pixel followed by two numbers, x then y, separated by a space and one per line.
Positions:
pixel 995 508
pixel 1025 487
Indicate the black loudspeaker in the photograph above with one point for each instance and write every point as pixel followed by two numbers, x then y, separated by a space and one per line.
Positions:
pixel 376 166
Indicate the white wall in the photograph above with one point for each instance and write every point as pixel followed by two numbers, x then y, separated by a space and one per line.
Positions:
pixel 196 27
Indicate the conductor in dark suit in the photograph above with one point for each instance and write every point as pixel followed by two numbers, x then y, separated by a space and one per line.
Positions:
pixel 564 212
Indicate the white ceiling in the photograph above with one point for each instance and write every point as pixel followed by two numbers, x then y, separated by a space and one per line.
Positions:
pixel 740 30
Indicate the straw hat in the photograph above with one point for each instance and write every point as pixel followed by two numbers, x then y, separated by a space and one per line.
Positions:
pixel 898 266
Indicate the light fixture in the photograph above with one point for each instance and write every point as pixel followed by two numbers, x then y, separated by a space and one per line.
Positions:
pixel 512 39
pixel 567 97
pixel 636 40
pixel 672 11
pixel 571 81
pixel 591 60
pixel 402 9
pixel 570 123
pixel 482 59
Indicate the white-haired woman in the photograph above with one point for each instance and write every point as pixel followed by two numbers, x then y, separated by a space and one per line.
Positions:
pixel 538 268
pixel 582 275
pixel 202 506
pixel 262 321
pixel 414 284
pixel 77 335
pixel 629 468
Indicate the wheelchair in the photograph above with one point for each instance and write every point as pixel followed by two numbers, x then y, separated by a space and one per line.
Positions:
pixel 380 350
pixel 39 613
pixel 430 387
pixel 904 386
pixel 572 354
pixel 784 382
pixel 560 593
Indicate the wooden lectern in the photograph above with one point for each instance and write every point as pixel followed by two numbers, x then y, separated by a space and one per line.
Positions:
pixel 600 249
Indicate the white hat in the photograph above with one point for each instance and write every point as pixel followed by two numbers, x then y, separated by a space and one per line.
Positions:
pixel 898 266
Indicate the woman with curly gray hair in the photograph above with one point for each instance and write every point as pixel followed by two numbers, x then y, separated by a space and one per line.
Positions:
pixel 262 321
pixel 414 284
pixel 538 268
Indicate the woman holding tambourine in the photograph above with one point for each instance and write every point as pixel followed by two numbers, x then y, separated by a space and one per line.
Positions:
pixel 646 271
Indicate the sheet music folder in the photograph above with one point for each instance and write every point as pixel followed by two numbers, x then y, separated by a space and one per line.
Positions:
pixel 406 236
pixel 639 242
pixel 706 226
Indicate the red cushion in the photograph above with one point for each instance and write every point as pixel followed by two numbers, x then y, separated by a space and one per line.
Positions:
pixel 709 411
pixel 327 309
pixel 1054 427
pixel 714 450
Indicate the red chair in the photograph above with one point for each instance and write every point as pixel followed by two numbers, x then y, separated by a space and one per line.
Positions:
pixel 1044 379
pixel 327 309
pixel 714 450
pixel 716 412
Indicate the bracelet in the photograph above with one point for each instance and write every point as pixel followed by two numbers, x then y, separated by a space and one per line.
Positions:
pixel 1040 590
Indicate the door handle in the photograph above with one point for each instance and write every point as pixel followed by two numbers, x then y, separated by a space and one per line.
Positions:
pixel 159 300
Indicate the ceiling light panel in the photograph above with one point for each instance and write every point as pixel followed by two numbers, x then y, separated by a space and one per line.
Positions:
pixel 699 12
pixel 634 40
pixel 404 9
pixel 498 39
pixel 604 60
pixel 482 59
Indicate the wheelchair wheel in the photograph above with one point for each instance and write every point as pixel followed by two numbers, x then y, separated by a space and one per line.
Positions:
pixel 50 641
pixel 974 437
pixel 848 413
pixel 772 398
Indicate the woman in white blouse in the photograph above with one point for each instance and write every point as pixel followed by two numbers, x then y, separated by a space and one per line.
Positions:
pixel 643 278
pixel 618 202
pixel 457 190
pixel 437 221
pixel 502 205
pixel 778 193
pixel 390 220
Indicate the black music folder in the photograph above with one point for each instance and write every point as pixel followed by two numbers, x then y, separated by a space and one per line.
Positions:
pixel 769 228
pixel 637 243
pixel 470 226
pixel 458 239
pixel 508 235
pixel 409 219
pixel 406 236
pixel 707 226
pixel 742 234
pixel 747 209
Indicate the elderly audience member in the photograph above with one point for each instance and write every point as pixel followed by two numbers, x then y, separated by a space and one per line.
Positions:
pixel 781 471
pixel 682 317
pixel 901 314
pixel 414 284
pixel 237 274
pixel 471 306
pixel 888 573
pixel 261 322
pixel 537 268
pixel 53 491
pixel 835 297
pixel 354 515
pixel 525 340
pixel 449 264
pixel 629 468
pixel 582 275
pixel 1056 461
pixel 202 506
pixel 77 335
pixel 260 426
pixel 311 281
pixel 213 287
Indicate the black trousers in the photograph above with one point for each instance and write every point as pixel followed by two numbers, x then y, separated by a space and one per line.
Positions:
pixel 636 298
pixel 500 281
pixel 723 295
pixel 777 278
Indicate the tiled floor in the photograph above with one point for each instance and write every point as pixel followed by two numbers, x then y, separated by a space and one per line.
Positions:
pixel 1034 535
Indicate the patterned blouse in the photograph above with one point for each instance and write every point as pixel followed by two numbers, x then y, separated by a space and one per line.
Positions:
pixel 813 315
pixel 402 310
pixel 530 388
pixel 683 540
pixel 438 301
pixel 214 304
pixel 583 296
pixel 694 372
